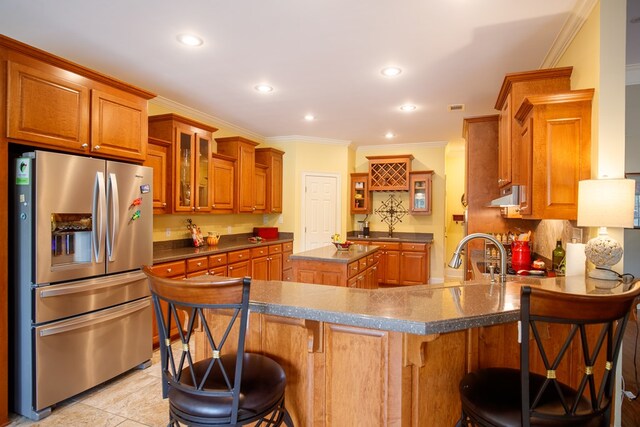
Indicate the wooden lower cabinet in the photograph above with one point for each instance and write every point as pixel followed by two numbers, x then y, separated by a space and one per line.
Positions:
pixel 361 273
pixel 349 376
pixel 341 375
pixel 401 263
pixel 171 270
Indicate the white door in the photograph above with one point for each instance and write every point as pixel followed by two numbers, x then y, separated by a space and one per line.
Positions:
pixel 321 216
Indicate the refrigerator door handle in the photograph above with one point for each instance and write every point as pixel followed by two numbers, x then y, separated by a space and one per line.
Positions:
pixel 110 315
pixel 91 285
pixel 114 220
pixel 98 216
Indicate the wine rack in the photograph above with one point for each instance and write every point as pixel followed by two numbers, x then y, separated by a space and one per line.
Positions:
pixel 389 173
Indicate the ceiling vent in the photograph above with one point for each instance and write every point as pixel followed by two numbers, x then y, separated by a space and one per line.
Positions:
pixel 456 107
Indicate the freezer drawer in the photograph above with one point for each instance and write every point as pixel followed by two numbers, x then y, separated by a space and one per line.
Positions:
pixel 74 355
pixel 68 299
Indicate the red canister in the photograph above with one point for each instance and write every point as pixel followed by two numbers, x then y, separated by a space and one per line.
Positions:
pixel 520 255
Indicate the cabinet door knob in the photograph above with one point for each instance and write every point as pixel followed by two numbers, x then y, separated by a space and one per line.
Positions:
pixel 193 209
pixel 97 147
pixel 199 264
pixel 213 206
pixel 85 145
pixel 164 205
pixel 198 208
pixel 169 270
pixel 230 268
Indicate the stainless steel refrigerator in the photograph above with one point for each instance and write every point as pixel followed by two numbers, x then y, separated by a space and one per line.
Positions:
pixel 82 312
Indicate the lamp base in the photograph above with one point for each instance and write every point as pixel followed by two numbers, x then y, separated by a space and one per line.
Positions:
pixel 603 274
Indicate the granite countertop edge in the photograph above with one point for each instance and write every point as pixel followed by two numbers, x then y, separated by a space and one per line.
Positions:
pixel 176 254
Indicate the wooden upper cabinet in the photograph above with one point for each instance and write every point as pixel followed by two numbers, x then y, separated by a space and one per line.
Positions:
pixel 273 159
pixel 387 173
pixel 222 190
pixel 556 152
pixel 515 87
pixel 118 125
pixel 159 158
pixel 260 188
pixel 54 103
pixel 243 150
pixel 49 106
pixel 191 160
pixel 420 192
pixel 360 201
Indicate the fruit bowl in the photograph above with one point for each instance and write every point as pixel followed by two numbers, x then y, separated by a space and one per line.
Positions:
pixel 342 246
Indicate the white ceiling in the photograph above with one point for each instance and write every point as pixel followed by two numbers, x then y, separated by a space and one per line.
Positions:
pixel 322 57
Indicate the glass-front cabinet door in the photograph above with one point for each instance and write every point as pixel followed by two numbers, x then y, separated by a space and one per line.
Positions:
pixel 184 171
pixel 360 195
pixel 192 174
pixel 202 189
pixel 420 192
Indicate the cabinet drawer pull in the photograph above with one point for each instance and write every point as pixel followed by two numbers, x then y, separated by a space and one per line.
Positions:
pixel 169 270
pixel 199 264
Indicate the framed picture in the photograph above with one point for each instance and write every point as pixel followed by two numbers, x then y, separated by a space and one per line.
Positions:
pixel 636 210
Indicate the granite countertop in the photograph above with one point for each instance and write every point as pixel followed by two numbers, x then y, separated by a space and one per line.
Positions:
pixel 166 254
pixel 331 254
pixel 421 310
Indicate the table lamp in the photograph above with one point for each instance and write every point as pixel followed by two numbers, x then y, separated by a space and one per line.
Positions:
pixel 605 203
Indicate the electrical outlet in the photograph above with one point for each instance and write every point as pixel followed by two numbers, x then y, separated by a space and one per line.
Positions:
pixel 280 219
pixel 167 232
pixel 228 229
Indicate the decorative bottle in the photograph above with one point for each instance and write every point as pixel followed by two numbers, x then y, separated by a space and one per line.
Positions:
pixel 558 256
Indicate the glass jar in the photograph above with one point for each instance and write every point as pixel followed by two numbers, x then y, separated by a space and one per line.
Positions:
pixel 520 255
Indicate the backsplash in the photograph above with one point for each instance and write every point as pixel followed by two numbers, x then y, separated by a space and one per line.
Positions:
pixel 549 231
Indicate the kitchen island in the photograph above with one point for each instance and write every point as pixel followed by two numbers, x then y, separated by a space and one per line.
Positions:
pixel 391 356
pixel 355 267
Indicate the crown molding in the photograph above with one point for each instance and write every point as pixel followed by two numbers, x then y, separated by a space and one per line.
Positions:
pixel 308 139
pixel 633 74
pixel 571 26
pixel 204 117
pixel 433 144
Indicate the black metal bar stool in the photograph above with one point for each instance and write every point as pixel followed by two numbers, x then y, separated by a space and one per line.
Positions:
pixel 512 397
pixel 229 388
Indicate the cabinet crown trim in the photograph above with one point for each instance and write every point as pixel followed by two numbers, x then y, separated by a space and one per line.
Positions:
pixel 236 138
pixel 511 78
pixel 557 98
pixel 183 120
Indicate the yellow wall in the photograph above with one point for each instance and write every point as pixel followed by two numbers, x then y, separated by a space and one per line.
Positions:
pixel 583 54
pixel 455 161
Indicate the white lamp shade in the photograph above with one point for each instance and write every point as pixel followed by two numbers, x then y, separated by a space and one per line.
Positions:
pixel 606 203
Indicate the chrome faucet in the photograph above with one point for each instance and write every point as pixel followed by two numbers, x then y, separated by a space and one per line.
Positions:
pixel 456 260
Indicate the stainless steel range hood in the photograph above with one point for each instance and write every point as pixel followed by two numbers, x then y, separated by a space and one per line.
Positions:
pixel 509 196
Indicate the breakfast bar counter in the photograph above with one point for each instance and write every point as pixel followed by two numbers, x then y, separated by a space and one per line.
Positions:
pixel 391 356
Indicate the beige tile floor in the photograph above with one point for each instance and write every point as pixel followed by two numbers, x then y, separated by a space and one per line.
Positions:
pixel 133 399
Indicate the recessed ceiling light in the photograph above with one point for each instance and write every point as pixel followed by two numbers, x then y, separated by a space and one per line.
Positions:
pixel 389 135
pixel 407 107
pixel 190 40
pixel 391 71
pixel 309 117
pixel 263 88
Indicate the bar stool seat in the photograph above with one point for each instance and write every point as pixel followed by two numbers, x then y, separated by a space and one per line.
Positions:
pixel 262 386
pixel 492 396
